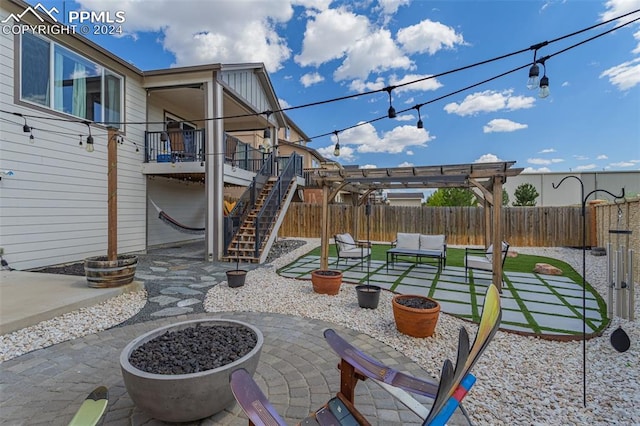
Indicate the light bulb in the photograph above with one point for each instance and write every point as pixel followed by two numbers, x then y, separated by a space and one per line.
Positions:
pixel 420 124
pixel 544 87
pixel 89 146
pixel 534 81
pixel 336 150
pixel 32 139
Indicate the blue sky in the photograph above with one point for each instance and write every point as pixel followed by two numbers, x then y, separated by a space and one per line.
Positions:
pixel 320 49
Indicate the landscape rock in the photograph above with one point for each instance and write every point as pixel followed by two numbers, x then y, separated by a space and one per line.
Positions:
pixel 546 269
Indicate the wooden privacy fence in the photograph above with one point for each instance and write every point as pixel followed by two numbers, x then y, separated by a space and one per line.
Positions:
pixel 522 226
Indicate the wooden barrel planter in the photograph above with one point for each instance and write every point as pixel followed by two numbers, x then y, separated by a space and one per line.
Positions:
pixel 103 273
pixel 415 321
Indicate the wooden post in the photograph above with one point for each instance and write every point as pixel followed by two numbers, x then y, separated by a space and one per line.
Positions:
pixel 355 213
pixel 487 224
pixel 324 237
pixel 112 194
pixel 497 233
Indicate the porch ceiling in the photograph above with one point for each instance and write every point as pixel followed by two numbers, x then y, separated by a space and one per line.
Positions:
pixel 191 100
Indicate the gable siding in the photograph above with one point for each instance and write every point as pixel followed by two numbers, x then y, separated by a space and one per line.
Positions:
pixel 246 84
pixel 54 208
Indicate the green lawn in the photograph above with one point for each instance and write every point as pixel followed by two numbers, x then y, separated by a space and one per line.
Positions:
pixel 455 257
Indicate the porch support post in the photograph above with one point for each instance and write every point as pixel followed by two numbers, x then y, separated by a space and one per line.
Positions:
pixel 355 213
pixel 497 233
pixel 214 179
pixel 324 238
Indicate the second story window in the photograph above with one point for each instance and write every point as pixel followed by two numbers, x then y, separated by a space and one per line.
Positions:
pixel 57 78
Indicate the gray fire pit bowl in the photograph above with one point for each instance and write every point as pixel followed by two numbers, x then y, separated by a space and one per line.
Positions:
pixel 184 397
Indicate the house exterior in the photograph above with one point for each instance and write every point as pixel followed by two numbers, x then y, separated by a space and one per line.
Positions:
pixel 187 138
pixel 569 193
pixel 411 199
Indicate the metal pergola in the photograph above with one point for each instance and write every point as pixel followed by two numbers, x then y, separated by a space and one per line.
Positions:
pixel 488 178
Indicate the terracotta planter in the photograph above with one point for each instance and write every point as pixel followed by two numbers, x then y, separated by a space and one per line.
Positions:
pixel 415 322
pixel 368 296
pixel 236 278
pixel 102 273
pixel 326 281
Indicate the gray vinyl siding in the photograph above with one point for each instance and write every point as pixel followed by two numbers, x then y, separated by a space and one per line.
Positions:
pixel 246 84
pixel 54 208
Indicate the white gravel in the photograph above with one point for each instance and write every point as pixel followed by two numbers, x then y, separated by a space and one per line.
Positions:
pixel 72 325
pixel 521 380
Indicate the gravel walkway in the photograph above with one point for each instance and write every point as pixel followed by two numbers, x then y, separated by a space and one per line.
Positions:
pixel 521 380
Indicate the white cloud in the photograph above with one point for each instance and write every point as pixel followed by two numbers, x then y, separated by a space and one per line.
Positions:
pixel 409 100
pixel 424 85
pixel 329 34
pixel 428 37
pixel 283 103
pixel 405 164
pixel 347 154
pixel 620 7
pixel 366 139
pixel 389 7
pixel 565 84
pixel 375 52
pixel 630 163
pixel 624 76
pixel 503 125
pixel 532 170
pixel 601 157
pixel 360 86
pixel 489 101
pixel 311 78
pixel 544 161
pixel 585 167
pixel 409 152
pixel 369 166
pixel 581 157
pixel 547 151
pixel 204 32
pixel 405 117
pixel 488 158
pixel 341 34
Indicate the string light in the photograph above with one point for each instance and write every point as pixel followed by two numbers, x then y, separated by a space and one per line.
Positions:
pixel 336 149
pixel 419 124
pixel 80 143
pixel 89 147
pixel 544 82
pixel 392 111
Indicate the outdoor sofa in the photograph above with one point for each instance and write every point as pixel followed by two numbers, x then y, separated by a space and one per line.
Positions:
pixel 418 246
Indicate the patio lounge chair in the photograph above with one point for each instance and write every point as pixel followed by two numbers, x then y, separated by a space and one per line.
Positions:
pixel 483 260
pixel 455 381
pixel 348 248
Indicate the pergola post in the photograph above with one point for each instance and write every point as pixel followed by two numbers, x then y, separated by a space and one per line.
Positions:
pixel 324 236
pixel 355 204
pixel 497 233
pixel 487 223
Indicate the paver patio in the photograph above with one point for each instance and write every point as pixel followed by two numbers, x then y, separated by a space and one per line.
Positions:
pixel 532 303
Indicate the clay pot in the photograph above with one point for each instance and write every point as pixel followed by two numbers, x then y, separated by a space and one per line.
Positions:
pixel 415 322
pixel 326 281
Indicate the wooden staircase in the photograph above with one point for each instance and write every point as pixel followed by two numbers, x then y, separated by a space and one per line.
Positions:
pixel 243 244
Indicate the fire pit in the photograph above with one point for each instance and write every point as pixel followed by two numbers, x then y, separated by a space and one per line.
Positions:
pixel 180 372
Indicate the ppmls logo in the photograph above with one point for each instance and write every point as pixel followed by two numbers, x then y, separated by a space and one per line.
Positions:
pixel 34 11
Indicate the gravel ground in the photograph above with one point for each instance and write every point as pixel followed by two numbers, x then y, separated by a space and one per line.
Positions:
pixel 521 380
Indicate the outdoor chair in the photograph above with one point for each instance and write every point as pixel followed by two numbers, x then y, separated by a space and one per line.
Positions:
pixel 481 259
pixel 455 381
pixel 348 248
